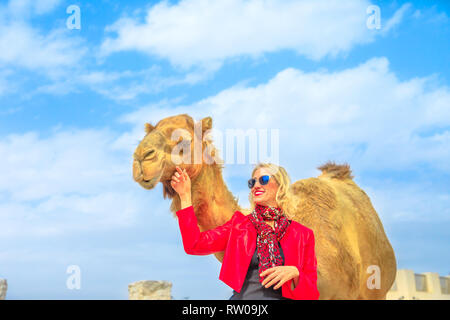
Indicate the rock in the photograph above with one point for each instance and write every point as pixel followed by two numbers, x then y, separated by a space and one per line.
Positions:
pixel 3 288
pixel 150 290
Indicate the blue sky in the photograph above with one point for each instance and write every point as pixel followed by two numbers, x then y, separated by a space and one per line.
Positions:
pixel 73 104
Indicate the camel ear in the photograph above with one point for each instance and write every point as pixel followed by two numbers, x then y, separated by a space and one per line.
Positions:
pixel 148 127
pixel 206 124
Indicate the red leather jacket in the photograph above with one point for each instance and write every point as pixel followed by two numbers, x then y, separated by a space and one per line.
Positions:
pixel 237 238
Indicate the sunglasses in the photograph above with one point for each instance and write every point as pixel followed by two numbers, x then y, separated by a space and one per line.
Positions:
pixel 263 180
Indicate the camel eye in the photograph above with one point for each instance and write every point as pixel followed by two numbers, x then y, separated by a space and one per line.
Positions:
pixel 151 152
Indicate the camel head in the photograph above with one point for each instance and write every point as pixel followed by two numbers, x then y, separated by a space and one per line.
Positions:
pixel 163 148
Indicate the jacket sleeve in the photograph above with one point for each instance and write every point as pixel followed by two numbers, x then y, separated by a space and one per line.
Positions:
pixel 306 288
pixel 201 243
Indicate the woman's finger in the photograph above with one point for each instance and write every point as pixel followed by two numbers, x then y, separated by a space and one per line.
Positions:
pixel 267 271
pixel 279 284
pixel 268 278
pixel 175 179
pixel 180 173
pixel 273 281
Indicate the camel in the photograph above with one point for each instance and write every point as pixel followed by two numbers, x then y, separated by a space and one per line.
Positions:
pixel 350 241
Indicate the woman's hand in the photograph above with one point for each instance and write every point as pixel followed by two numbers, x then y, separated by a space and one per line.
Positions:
pixel 181 183
pixel 279 274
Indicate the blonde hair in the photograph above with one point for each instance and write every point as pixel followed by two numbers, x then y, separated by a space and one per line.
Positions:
pixel 282 178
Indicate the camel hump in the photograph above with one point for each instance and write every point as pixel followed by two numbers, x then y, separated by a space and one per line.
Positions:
pixel 337 171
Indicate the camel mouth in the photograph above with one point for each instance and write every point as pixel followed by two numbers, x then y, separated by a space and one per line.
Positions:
pixel 148 184
pixel 151 183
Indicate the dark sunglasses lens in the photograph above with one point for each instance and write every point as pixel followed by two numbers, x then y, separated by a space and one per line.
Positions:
pixel 251 183
pixel 264 180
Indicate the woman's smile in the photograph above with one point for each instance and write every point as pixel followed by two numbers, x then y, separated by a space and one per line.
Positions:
pixel 258 192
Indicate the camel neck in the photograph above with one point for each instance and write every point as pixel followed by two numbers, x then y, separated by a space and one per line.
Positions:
pixel 213 203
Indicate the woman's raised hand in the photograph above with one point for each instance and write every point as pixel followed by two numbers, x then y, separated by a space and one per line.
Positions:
pixel 181 183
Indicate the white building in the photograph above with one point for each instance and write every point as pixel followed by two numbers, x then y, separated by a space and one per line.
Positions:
pixel 413 286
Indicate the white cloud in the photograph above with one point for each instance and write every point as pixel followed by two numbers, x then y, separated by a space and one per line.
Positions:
pixel 121 86
pixel 59 55
pixel 24 46
pixel 69 181
pixel 20 8
pixel 5 84
pixel 35 168
pixel 63 214
pixel 148 81
pixel 397 201
pixel 205 33
pixel 397 18
pixel 54 53
pixel 431 15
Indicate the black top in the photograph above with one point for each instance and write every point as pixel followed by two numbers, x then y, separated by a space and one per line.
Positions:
pixel 252 289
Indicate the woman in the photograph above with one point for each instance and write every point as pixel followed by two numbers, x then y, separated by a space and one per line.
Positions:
pixel 267 255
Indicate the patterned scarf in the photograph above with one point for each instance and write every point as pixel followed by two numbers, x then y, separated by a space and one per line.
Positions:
pixel 267 240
